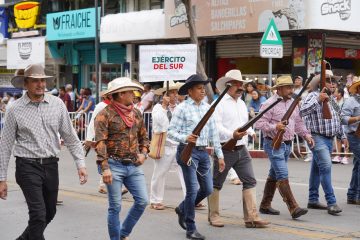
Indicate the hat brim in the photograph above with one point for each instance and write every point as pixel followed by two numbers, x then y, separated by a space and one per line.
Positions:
pixel 221 82
pixel 352 88
pixel 123 89
pixel 281 85
pixel 183 90
pixel 161 91
pixel 18 81
pixel 316 80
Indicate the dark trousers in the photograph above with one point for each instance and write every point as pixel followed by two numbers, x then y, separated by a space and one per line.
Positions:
pixel 40 185
pixel 240 161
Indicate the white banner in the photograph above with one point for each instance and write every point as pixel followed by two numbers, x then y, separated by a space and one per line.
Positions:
pixel 25 51
pixel 167 62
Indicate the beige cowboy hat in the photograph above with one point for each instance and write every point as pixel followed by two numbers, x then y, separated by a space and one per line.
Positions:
pixel 229 76
pixel 121 85
pixel 31 71
pixel 354 85
pixel 172 86
pixel 316 80
pixel 283 81
pixel 110 86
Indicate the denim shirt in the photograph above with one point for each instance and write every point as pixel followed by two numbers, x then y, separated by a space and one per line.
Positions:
pixel 351 108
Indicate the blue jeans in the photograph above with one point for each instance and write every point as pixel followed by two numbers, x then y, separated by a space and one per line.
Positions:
pixel 354 189
pixel 133 179
pixel 278 159
pixel 321 170
pixel 198 182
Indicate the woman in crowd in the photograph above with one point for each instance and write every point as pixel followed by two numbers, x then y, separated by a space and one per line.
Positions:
pixel 247 95
pixel 255 102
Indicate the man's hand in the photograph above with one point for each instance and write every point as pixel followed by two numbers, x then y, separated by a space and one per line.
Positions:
pixel 89 144
pixel 192 138
pixel 254 137
pixel 82 175
pixel 140 159
pixel 221 164
pixel 346 143
pixel 310 141
pixel 107 176
pixel 3 190
pixel 281 126
pixel 323 95
pixel 238 135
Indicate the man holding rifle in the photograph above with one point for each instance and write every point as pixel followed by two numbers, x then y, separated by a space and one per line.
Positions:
pixel 323 130
pixel 197 170
pixel 270 124
pixel 350 113
pixel 231 114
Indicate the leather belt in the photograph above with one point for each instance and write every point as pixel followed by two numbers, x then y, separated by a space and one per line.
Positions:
pixel 237 148
pixel 42 161
pixel 322 135
pixel 125 161
pixel 199 148
pixel 288 142
pixel 351 133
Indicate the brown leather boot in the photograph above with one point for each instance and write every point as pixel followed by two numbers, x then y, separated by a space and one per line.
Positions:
pixel 214 216
pixel 288 198
pixel 251 217
pixel 269 191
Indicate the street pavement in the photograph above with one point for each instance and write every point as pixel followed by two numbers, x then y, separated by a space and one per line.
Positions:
pixel 83 214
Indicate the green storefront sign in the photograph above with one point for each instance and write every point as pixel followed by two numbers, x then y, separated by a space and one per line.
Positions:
pixel 70 25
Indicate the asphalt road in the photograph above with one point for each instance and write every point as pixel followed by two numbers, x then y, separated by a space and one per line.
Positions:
pixel 83 214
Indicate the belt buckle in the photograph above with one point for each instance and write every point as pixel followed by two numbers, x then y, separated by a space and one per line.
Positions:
pixel 41 161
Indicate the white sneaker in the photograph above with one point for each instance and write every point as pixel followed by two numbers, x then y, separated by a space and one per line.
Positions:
pixel 345 160
pixel 336 159
pixel 308 159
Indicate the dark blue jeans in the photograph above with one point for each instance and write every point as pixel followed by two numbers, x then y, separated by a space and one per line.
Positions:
pixel 198 182
pixel 321 170
pixel 354 188
pixel 278 159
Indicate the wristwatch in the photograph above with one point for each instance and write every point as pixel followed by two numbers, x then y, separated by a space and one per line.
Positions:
pixel 146 155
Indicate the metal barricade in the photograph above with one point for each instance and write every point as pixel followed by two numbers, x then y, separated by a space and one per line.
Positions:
pixel 80 123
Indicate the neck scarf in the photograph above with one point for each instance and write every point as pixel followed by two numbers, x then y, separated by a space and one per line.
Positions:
pixel 107 101
pixel 126 113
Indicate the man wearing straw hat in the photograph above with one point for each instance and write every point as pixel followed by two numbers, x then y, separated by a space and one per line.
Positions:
pixel 122 146
pixel 161 115
pixel 231 114
pixel 270 123
pixel 323 131
pixel 34 122
pixel 197 172
pixel 350 113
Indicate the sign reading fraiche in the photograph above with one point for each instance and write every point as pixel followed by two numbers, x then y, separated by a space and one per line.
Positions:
pixel 271 45
pixel 78 24
pixel 25 51
pixel 167 62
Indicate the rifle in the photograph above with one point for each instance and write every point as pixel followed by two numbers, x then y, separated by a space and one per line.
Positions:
pixel 276 143
pixel 357 132
pixel 325 108
pixel 186 153
pixel 229 145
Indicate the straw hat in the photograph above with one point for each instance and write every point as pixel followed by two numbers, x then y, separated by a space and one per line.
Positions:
pixel 172 86
pixel 316 80
pixel 190 82
pixel 137 94
pixel 121 85
pixel 354 85
pixel 283 81
pixel 31 71
pixel 229 76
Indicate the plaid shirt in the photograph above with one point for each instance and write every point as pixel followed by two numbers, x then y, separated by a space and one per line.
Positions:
pixel 311 111
pixel 185 118
pixel 35 128
pixel 351 108
pixel 114 138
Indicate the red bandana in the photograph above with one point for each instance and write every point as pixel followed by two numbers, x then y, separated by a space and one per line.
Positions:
pixel 126 113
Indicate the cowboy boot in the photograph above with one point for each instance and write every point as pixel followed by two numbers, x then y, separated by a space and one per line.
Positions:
pixel 288 198
pixel 269 191
pixel 251 217
pixel 214 216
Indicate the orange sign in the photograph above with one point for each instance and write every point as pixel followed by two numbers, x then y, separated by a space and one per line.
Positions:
pixel 26 14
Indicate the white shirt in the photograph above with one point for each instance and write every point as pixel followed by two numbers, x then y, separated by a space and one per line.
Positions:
pixel 90 134
pixel 160 122
pixel 230 115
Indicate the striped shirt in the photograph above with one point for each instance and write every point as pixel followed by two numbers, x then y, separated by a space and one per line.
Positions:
pixel 35 129
pixel 184 120
pixel 311 112
pixel 351 108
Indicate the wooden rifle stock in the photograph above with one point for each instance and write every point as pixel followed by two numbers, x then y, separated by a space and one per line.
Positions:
pixel 186 153
pixel 230 145
pixel 277 140
pixel 357 132
pixel 325 108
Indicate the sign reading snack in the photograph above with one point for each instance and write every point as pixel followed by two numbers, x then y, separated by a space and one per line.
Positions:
pixel 167 62
pixel 79 24
pixel 24 51
pixel 26 14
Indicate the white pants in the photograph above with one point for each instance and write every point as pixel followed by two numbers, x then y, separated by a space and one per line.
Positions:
pixel 161 167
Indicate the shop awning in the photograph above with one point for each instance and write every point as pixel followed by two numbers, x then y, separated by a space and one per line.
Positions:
pixel 124 27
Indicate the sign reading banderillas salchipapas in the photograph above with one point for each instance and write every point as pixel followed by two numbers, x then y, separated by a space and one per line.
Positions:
pixel 167 62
